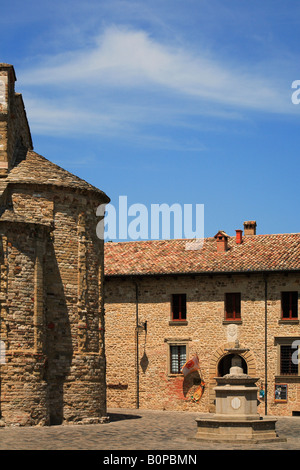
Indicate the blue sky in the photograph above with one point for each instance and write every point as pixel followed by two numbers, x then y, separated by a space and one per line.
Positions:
pixel 167 101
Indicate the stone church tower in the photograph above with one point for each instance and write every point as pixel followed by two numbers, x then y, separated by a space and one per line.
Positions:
pixel 52 367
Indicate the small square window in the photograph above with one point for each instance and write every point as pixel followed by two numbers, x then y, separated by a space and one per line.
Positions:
pixel 178 307
pixel 233 306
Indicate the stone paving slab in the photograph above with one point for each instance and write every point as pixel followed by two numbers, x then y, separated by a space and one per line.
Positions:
pixel 137 430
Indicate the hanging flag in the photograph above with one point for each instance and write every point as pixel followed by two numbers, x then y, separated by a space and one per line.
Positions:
pixel 190 366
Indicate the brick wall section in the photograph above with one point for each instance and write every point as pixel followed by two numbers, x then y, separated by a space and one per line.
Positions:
pixel 206 333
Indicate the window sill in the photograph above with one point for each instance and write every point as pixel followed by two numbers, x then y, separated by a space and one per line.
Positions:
pixel 288 322
pixel 287 378
pixel 178 322
pixel 237 322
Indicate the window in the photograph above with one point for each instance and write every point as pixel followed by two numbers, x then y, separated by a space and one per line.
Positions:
pixel 289 305
pixel 288 360
pixel 233 306
pixel 288 356
pixel 177 358
pixel 178 307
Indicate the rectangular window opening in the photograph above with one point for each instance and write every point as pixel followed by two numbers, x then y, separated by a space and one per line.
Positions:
pixel 177 358
pixel 178 307
pixel 233 306
pixel 287 365
pixel 289 305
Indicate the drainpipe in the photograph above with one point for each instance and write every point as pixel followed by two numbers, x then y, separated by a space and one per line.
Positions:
pixel 0 389
pixel 137 345
pixel 266 343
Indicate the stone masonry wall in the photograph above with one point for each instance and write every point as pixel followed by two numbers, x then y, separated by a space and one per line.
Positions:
pixel 206 333
pixel 52 310
pixel 23 392
pixel 75 308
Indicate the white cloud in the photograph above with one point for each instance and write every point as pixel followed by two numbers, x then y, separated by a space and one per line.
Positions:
pixel 124 58
pixel 127 81
pixel 58 117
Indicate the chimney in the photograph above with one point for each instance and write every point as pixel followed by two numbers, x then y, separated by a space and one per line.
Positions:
pixel 239 236
pixel 250 227
pixel 222 241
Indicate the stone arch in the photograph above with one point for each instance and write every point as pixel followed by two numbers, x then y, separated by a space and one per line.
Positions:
pixel 213 369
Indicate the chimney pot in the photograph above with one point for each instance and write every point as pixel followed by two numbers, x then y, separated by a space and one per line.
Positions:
pixel 239 236
pixel 250 227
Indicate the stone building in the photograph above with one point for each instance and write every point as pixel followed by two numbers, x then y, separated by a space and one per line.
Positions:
pixel 166 303
pixel 51 260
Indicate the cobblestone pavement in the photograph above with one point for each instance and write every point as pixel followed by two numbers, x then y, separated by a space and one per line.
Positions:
pixel 136 430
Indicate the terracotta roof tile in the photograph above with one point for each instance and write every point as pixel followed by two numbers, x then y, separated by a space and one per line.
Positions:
pixel 256 253
pixel 35 169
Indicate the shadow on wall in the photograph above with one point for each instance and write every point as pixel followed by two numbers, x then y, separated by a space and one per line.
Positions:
pixel 144 362
pixel 190 383
pixel 59 349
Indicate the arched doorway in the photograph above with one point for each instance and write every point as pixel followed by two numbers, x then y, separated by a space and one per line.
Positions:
pixel 225 364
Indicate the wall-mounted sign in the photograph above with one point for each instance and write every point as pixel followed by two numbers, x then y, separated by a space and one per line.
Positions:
pixel 280 392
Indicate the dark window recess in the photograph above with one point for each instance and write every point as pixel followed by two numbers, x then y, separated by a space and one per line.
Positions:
pixel 289 305
pixel 288 366
pixel 233 306
pixel 178 307
pixel 178 358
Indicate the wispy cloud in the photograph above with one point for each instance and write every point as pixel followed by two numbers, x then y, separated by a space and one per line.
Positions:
pixel 61 117
pixel 101 85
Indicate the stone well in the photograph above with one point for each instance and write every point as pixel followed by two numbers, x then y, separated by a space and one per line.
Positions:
pixel 236 418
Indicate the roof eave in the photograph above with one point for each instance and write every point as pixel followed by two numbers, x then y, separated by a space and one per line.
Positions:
pixel 202 273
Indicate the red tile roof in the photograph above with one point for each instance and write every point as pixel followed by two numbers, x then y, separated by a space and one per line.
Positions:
pixel 255 253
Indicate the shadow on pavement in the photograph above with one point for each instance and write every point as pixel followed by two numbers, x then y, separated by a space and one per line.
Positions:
pixel 121 416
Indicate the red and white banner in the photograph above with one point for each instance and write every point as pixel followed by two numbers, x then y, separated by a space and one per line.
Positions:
pixel 191 366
